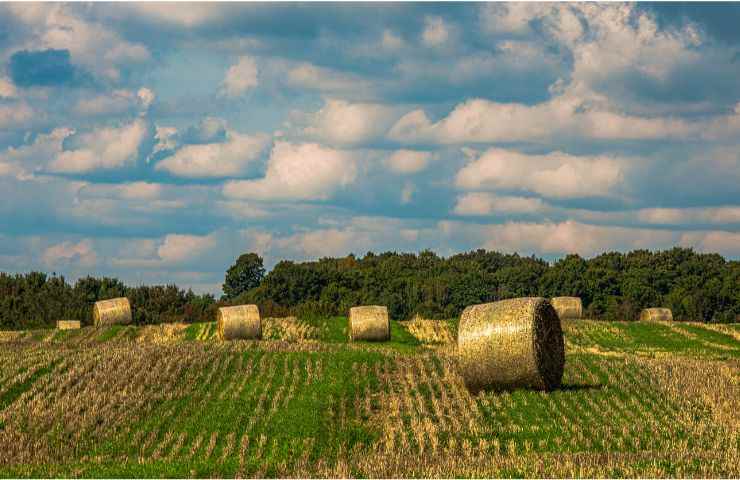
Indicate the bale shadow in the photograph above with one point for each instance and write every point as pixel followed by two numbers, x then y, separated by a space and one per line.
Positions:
pixel 577 387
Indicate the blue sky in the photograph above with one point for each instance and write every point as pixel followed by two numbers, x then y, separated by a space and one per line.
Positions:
pixel 157 142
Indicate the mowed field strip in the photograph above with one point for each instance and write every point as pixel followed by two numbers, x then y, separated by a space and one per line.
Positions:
pixel 650 399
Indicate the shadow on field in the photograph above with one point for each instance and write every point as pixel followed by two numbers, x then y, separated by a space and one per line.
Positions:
pixel 577 387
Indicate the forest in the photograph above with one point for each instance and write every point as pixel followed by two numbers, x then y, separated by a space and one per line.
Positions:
pixel 613 286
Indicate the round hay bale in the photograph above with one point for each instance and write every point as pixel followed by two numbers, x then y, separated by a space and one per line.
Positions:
pixel 68 324
pixel 116 311
pixel 511 343
pixel 369 323
pixel 567 307
pixel 656 314
pixel 239 322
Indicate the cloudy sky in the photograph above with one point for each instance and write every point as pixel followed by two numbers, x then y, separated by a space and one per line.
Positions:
pixel 157 142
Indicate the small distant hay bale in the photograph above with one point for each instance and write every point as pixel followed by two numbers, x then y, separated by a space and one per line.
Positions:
pixel 369 323
pixel 116 311
pixel 511 343
pixel 239 322
pixel 656 314
pixel 567 307
pixel 68 324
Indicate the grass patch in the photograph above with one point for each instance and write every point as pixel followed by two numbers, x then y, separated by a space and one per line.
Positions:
pixel 18 389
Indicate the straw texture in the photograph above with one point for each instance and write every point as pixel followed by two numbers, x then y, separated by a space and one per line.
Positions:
pixel 239 322
pixel 567 307
pixel 511 343
pixel 659 314
pixel 68 324
pixel 369 323
pixel 116 311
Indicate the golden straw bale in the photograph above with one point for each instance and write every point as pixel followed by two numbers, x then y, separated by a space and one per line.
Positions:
pixel 239 322
pixel 656 314
pixel 68 324
pixel 116 311
pixel 511 343
pixel 567 307
pixel 370 323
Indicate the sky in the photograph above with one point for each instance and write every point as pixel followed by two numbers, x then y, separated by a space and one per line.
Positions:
pixel 157 142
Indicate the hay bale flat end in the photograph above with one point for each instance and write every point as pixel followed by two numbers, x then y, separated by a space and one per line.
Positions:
pixel 369 323
pixel 239 322
pixel 116 311
pixel 512 343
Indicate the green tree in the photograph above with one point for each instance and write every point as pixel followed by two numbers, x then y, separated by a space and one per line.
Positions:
pixel 244 275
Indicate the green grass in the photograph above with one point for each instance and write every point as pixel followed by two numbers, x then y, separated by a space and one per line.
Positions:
pixel 299 404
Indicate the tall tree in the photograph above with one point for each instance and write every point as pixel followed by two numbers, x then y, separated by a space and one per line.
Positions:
pixel 244 275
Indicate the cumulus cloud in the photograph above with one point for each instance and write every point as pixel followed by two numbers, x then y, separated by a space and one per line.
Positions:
pixel 179 248
pixel 230 158
pixel 566 116
pixel 556 175
pixel 67 253
pixel 96 47
pixel 7 88
pixel 483 203
pixel 408 161
pixel 116 102
pixel 305 171
pixel 313 77
pixel 345 123
pixel 240 77
pixel 15 115
pixel 26 159
pixel 435 33
pixel 696 215
pixel 102 148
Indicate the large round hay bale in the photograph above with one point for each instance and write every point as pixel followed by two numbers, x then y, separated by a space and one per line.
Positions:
pixel 116 311
pixel 567 307
pixel 239 322
pixel 656 314
pixel 369 323
pixel 511 343
pixel 68 324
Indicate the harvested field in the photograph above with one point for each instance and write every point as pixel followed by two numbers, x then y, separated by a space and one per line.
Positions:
pixel 306 402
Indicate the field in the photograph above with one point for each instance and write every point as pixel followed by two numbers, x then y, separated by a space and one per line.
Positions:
pixel 639 399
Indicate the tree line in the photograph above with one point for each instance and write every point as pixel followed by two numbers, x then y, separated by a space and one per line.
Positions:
pixel 612 286
pixel 38 300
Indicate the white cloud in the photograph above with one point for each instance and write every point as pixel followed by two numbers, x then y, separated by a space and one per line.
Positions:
pixel 228 159
pixel 555 175
pixel 435 32
pixel 344 123
pixel 146 96
pixel 93 45
pixel 7 89
pixel 307 75
pixel 180 248
pixel 724 243
pixel 408 161
pixel 15 115
pixel 696 215
pixel 115 102
pixel 106 147
pixel 513 17
pixel 391 41
pixel 240 77
pixel 298 172
pixel 559 238
pixel 68 253
pixel 483 203
pixel 566 116
pixel 24 160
